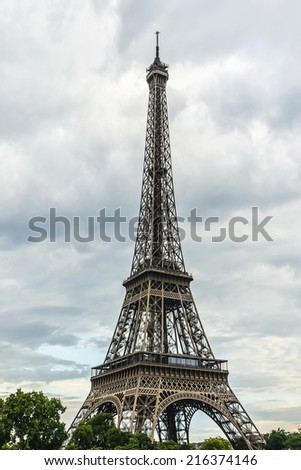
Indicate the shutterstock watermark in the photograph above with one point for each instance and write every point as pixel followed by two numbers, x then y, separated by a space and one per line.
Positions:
pixel 118 227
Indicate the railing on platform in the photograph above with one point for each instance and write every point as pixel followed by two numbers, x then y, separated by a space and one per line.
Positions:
pixel 161 359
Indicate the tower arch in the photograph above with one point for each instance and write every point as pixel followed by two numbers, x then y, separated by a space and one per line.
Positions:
pixel 184 406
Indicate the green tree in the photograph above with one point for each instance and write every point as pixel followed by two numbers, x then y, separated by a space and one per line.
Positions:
pixel 82 438
pixel 144 441
pixel 276 439
pixel 216 443
pixel 293 441
pixel 167 445
pixel 4 437
pixel 94 433
pixel 135 442
pixel 101 423
pixel 32 421
pixel 115 438
pixel 100 432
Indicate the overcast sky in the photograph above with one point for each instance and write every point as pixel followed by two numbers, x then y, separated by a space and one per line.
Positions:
pixel 73 101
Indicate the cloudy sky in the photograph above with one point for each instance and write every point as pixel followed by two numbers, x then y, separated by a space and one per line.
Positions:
pixel 73 101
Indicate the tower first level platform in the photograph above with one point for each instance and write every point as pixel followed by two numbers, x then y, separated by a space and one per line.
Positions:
pixel 159 394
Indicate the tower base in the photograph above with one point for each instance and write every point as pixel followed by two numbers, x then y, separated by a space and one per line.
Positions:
pixel 158 394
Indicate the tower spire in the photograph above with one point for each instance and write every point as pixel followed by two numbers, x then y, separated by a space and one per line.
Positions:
pixel 157 45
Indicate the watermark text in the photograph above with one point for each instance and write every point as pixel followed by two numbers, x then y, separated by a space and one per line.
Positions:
pixel 119 228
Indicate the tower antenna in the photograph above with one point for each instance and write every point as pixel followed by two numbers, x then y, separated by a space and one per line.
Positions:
pixel 157 44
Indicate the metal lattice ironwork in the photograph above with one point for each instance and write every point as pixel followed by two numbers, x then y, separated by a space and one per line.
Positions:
pixel 160 369
pixel 158 240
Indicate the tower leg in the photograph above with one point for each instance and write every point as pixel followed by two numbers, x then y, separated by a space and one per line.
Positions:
pixel 171 424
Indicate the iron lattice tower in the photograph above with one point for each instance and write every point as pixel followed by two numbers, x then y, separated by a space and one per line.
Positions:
pixel 159 368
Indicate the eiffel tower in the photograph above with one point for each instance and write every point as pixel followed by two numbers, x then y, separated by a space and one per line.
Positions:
pixel 160 369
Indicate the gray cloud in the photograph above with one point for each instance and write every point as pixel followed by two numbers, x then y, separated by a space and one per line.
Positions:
pixel 30 366
pixel 33 333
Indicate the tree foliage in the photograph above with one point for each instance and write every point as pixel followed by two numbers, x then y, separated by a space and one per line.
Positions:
pixel 167 445
pixel 293 441
pixel 100 432
pixel 216 443
pixel 31 421
pixel 100 424
pixel 275 439
pixel 281 440
pixel 82 437
pixel 4 437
